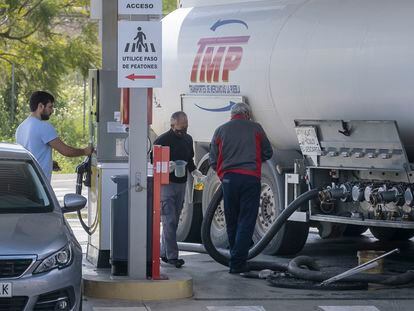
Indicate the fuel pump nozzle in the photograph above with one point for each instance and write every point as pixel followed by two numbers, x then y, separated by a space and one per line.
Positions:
pixel 84 173
pixel 84 176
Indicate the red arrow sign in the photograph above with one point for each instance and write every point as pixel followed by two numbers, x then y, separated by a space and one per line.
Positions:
pixel 134 77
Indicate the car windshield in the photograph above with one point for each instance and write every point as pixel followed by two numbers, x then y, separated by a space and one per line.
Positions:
pixel 21 189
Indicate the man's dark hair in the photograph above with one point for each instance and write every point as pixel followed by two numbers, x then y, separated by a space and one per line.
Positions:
pixel 40 97
pixel 177 115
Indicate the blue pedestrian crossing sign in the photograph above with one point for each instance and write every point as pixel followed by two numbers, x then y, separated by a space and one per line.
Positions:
pixel 139 54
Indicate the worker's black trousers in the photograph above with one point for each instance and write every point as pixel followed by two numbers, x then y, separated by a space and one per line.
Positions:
pixel 241 195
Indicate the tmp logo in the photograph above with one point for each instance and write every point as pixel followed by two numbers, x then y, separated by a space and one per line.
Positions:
pixel 217 55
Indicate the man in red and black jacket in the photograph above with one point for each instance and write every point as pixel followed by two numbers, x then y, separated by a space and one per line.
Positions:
pixel 237 151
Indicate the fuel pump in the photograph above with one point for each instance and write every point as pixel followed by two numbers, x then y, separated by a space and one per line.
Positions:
pixel 109 138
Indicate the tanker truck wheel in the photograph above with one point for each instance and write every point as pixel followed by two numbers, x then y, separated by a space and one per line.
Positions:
pixel 330 230
pixel 189 224
pixel 188 229
pixel 292 236
pixel 391 234
pixel 354 230
pixel 218 225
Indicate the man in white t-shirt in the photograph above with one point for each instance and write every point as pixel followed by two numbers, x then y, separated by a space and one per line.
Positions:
pixel 39 136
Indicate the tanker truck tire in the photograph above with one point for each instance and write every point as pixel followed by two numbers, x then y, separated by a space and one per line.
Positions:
pixel 188 229
pixel 330 230
pixel 218 231
pixel 391 234
pixel 293 235
pixel 354 230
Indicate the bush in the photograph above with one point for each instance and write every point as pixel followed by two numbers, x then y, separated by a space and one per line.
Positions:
pixel 70 124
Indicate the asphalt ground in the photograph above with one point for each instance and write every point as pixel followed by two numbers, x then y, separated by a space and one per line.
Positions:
pixel 217 290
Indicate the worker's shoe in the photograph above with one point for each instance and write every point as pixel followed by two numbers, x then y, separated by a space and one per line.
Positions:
pixel 241 269
pixel 178 263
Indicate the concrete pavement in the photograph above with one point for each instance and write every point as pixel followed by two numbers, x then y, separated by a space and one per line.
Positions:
pixel 216 290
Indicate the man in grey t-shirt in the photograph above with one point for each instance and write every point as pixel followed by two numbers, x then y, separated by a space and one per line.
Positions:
pixel 39 136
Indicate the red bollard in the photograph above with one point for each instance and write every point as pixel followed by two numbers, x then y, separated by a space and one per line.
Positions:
pixel 161 159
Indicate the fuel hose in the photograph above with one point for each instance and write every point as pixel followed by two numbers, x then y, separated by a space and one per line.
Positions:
pixel 81 169
pixel 302 267
pixel 222 256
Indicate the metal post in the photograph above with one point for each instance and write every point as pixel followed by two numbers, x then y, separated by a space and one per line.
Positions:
pixel 157 160
pixel 161 159
pixel 109 34
pixel 138 132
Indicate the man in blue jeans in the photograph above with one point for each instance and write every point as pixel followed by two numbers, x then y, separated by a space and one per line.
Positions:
pixel 237 151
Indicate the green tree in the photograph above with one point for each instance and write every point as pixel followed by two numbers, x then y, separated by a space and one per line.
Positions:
pixel 68 119
pixel 168 6
pixel 52 44
pixel 46 40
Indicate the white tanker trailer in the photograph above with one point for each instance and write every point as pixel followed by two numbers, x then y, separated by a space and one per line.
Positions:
pixel 332 84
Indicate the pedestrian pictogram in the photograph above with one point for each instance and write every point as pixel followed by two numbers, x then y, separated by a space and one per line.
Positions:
pixel 141 44
pixel 139 54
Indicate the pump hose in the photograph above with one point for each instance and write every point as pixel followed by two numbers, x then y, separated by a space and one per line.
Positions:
pixel 223 257
pixel 88 229
pixel 302 267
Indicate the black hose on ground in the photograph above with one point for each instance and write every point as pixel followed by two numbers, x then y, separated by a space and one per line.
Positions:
pixel 304 267
pixel 191 247
pixel 222 257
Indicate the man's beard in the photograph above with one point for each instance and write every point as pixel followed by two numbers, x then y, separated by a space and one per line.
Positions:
pixel 45 117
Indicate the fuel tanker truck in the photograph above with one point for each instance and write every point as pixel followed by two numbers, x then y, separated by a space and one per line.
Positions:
pixel 332 84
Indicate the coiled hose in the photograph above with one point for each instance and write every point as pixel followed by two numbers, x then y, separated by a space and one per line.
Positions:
pixel 302 267
pixel 81 170
pixel 223 257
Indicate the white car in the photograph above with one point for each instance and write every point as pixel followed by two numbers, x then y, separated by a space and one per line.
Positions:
pixel 40 258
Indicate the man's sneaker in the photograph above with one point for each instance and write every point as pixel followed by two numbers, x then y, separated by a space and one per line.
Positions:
pixel 241 269
pixel 175 262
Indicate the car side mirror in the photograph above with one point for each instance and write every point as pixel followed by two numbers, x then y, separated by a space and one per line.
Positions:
pixel 73 202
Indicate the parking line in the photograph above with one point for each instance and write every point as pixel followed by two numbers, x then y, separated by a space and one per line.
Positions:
pixel 348 308
pixel 235 308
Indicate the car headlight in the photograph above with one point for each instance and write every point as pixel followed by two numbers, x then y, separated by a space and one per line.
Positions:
pixel 59 260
